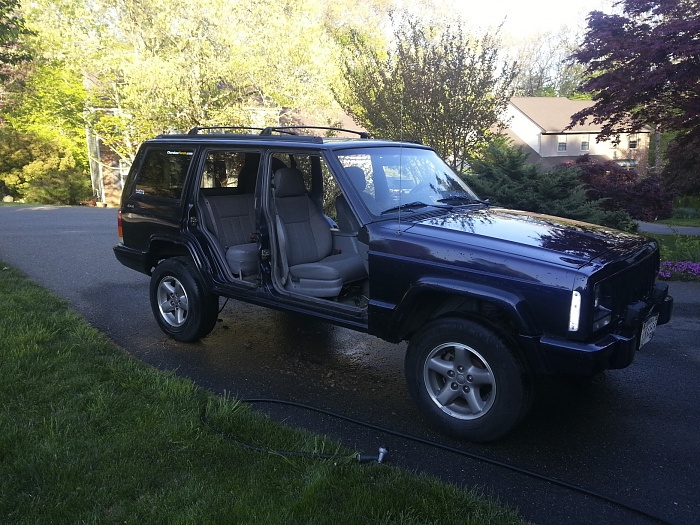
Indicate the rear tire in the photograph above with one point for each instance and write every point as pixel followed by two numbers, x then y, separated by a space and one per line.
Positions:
pixel 467 380
pixel 181 305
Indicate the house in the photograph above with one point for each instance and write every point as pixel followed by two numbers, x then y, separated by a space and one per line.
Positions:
pixel 539 125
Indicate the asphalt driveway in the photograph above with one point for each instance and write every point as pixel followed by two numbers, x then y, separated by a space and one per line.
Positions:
pixel 630 436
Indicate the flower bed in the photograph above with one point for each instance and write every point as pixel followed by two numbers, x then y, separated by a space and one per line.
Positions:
pixel 680 271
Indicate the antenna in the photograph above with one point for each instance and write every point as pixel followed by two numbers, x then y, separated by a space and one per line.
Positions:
pixel 403 91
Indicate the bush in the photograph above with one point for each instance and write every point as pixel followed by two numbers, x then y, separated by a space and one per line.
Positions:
pixel 680 257
pixel 689 201
pixel 686 213
pixel 687 207
pixel 644 198
pixel 504 176
pixel 682 169
pixel 41 170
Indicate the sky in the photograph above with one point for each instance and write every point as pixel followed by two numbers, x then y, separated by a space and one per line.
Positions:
pixel 524 18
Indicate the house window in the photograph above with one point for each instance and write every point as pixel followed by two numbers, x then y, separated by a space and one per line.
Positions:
pixel 585 143
pixel 561 143
pixel 628 164
pixel 633 141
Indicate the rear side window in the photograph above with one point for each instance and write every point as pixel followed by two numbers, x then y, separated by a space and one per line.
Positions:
pixel 231 169
pixel 163 173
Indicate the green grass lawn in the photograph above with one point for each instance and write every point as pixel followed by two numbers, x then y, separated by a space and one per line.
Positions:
pixel 89 434
pixel 695 221
pixel 680 257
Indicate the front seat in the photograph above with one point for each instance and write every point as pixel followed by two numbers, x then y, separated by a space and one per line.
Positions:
pixel 309 264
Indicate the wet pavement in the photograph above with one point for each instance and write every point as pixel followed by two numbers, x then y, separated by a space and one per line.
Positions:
pixel 629 435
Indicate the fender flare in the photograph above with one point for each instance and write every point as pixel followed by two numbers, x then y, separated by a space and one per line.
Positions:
pixel 181 247
pixel 512 303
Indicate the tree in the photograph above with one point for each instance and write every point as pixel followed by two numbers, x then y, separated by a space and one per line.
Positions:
pixel 157 66
pixel 40 169
pixel 131 69
pixel 643 68
pixel 51 104
pixel 434 84
pixel 505 177
pixel 544 68
pixel 44 152
pixel 618 188
pixel 12 29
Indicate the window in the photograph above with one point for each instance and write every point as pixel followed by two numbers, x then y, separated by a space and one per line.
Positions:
pixel 585 143
pixel 230 169
pixel 317 177
pixel 633 141
pixel 390 178
pixel 561 143
pixel 331 191
pixel 163 173
pixel 629 164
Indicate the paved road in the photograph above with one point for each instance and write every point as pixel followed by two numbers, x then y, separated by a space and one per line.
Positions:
pixel 631 435
pixel 655 228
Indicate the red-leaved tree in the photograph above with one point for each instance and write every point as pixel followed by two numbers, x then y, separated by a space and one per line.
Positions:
pixel 12 29
pixel 643 68
pixel 617 188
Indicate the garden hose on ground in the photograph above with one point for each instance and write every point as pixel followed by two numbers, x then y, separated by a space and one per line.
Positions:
pixel 379 458
pixel 362 458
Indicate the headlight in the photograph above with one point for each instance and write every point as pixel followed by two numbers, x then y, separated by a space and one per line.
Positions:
pixel 575 311
pixel 602 316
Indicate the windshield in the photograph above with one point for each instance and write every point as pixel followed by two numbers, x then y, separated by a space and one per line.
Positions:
pixel 390 179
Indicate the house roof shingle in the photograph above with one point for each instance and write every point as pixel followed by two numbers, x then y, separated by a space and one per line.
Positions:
pixel 553 114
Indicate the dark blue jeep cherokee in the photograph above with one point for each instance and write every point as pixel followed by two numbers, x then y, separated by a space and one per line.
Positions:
pixel 382 237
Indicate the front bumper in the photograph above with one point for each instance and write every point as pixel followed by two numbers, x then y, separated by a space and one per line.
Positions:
pixel 615 350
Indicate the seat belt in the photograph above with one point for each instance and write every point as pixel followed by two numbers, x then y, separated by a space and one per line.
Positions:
pixel 214 219
pixel 282 247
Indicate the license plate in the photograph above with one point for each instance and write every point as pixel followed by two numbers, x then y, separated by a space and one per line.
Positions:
pixel 648 329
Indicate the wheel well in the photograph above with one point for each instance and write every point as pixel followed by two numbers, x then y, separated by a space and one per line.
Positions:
pixel 160 250
pixel 435 306
pixel 487 313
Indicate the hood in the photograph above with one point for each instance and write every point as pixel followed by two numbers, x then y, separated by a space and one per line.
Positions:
pixel 567 241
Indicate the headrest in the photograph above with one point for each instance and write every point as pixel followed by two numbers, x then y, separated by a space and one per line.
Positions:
pixel 357 177
pixel 289 182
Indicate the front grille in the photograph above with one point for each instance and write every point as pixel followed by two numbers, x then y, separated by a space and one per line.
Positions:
pixel 632 284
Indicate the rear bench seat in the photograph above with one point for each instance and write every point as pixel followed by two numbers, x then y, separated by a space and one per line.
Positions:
pixel 231 218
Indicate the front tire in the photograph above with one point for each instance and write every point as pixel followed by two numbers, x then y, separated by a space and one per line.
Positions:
pixel 182 307
pixel 466 379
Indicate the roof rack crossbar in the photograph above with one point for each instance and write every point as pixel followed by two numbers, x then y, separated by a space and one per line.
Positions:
pixel 290 130
pixel 287 130
pixel 197 129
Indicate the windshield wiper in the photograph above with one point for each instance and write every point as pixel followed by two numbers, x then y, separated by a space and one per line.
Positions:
pixel 407 206
pixel 463 199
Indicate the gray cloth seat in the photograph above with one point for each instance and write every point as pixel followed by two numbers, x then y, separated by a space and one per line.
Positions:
pixel 243 259
pixel 233 223
pixel 346 218
pixel 310 266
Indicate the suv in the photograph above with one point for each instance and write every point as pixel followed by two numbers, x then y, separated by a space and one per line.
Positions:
pixel 383 237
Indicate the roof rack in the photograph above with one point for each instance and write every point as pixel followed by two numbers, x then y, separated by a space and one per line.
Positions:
pixel 291 130
pixel 196 130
